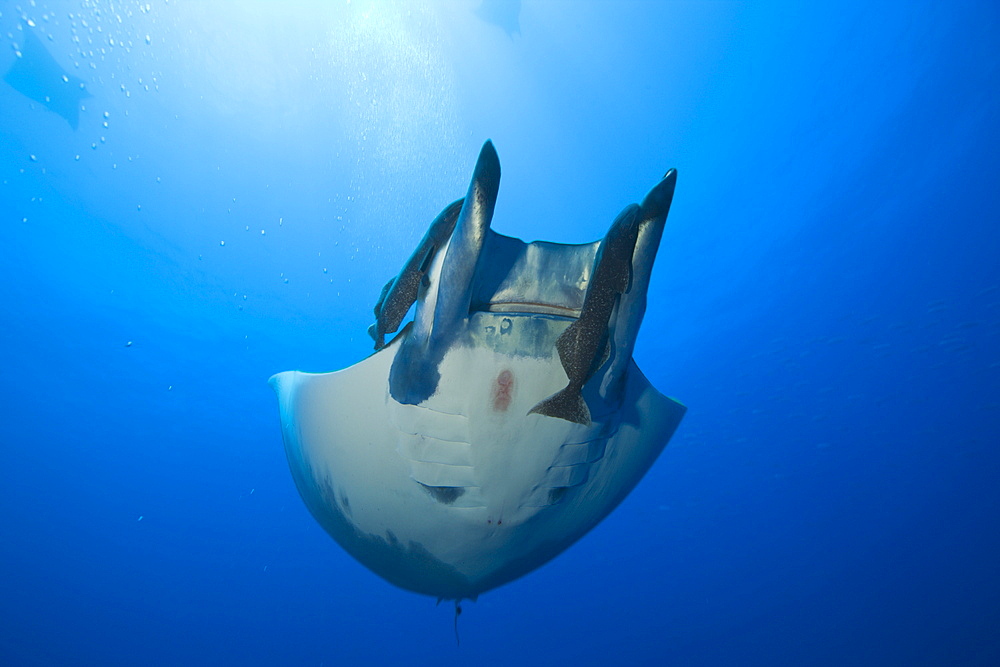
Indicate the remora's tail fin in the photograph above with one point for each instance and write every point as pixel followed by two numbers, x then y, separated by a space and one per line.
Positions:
pixel 566 404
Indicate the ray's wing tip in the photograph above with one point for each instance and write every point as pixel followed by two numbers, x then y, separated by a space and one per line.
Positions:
pixel 281 381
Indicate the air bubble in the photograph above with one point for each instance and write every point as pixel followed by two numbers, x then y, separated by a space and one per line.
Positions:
pixel 222 243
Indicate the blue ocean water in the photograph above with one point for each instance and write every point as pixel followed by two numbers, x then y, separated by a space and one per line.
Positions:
pixel 245 177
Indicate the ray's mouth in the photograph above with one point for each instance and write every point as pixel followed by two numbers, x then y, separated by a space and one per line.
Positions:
pixel 531 308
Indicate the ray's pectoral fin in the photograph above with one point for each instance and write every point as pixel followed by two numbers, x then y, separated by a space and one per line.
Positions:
pixel 441 315
pixel 401 291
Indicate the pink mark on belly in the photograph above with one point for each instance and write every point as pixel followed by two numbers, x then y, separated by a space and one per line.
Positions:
pixel 503 390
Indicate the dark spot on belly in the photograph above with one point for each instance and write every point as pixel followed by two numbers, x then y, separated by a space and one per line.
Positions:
pixel 557 494
pixel 444 494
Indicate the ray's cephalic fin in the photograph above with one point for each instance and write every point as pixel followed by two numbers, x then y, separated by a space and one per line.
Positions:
pixel 444 311
pixel 584 346
pixel 401 291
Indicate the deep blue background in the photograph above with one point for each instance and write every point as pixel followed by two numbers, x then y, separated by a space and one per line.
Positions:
pixel 826 301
